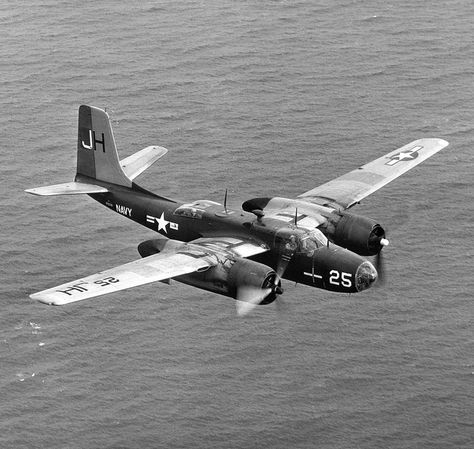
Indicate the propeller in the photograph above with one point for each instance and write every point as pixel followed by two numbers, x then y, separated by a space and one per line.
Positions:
pixel 249 297
pixel 287 252
pixel 286 255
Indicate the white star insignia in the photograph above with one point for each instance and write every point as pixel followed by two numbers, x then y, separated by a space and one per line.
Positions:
pixel 402 156
pixel 162 223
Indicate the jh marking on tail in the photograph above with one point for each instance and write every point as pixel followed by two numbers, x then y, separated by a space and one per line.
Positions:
pixel 92 145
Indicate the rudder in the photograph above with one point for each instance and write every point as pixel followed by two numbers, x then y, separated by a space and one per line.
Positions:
pixel 97 156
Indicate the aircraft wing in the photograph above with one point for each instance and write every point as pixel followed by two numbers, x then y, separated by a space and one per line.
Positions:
pixel 176 259
pixel 157 267
pixel 349 189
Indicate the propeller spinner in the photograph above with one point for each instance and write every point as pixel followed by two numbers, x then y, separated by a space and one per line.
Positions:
pixel 249 297
pixel 379 262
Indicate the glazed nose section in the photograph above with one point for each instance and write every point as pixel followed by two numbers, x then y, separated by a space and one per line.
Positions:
pixel 366 275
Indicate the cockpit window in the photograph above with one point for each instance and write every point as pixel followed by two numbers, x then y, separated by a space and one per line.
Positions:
pixel 307 245
pixel 303 241
pixel 319 237
pixel 189 211
pixel 311 241
pixel 194 210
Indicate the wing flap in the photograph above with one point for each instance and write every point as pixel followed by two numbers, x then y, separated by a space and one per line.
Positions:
pixel 352 187
pixel 153 268
pixel 237 247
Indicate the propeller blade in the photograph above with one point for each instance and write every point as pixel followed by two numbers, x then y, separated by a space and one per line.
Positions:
pixel 380 267
pixel 281 306
pixel 250 297
pixel 286 255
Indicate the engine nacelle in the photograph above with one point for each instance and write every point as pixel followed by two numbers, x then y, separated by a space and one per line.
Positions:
pixel 361 235
pixel 226 278
pixel 247 273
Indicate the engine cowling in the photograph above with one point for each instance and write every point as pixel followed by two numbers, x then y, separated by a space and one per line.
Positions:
pixel 227 277
pixel 359 234
pixel 247 273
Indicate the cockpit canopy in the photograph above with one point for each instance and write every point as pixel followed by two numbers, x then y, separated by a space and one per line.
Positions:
pixel 196 209
pixel 312 240
pixel 304 241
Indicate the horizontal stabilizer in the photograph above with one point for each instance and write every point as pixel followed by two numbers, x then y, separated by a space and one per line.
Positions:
pixel 68 188
pixel 137 163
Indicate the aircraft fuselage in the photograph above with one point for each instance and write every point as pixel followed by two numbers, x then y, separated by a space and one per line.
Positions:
pixel 325 266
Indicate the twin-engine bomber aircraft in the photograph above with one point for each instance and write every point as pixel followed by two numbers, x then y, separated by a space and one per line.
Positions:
pixel 242 254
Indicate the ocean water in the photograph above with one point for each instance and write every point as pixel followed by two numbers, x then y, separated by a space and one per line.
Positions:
pixel 260 98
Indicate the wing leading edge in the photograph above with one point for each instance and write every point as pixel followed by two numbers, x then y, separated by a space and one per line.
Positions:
pixel 352 187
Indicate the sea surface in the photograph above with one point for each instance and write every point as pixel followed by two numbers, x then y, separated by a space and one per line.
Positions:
pixel 261 98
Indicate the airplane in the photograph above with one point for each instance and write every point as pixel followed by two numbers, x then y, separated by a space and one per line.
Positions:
pixel 312 239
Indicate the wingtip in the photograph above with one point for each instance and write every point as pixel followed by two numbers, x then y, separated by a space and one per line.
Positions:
pixel 45 299
pixel 443 142
pixel 32 191
pixel 433 140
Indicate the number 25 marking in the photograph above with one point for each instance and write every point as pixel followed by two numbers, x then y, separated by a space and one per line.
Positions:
pixel 338 278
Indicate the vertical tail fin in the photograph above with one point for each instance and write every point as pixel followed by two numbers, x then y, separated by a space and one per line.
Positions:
pixel 97 156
